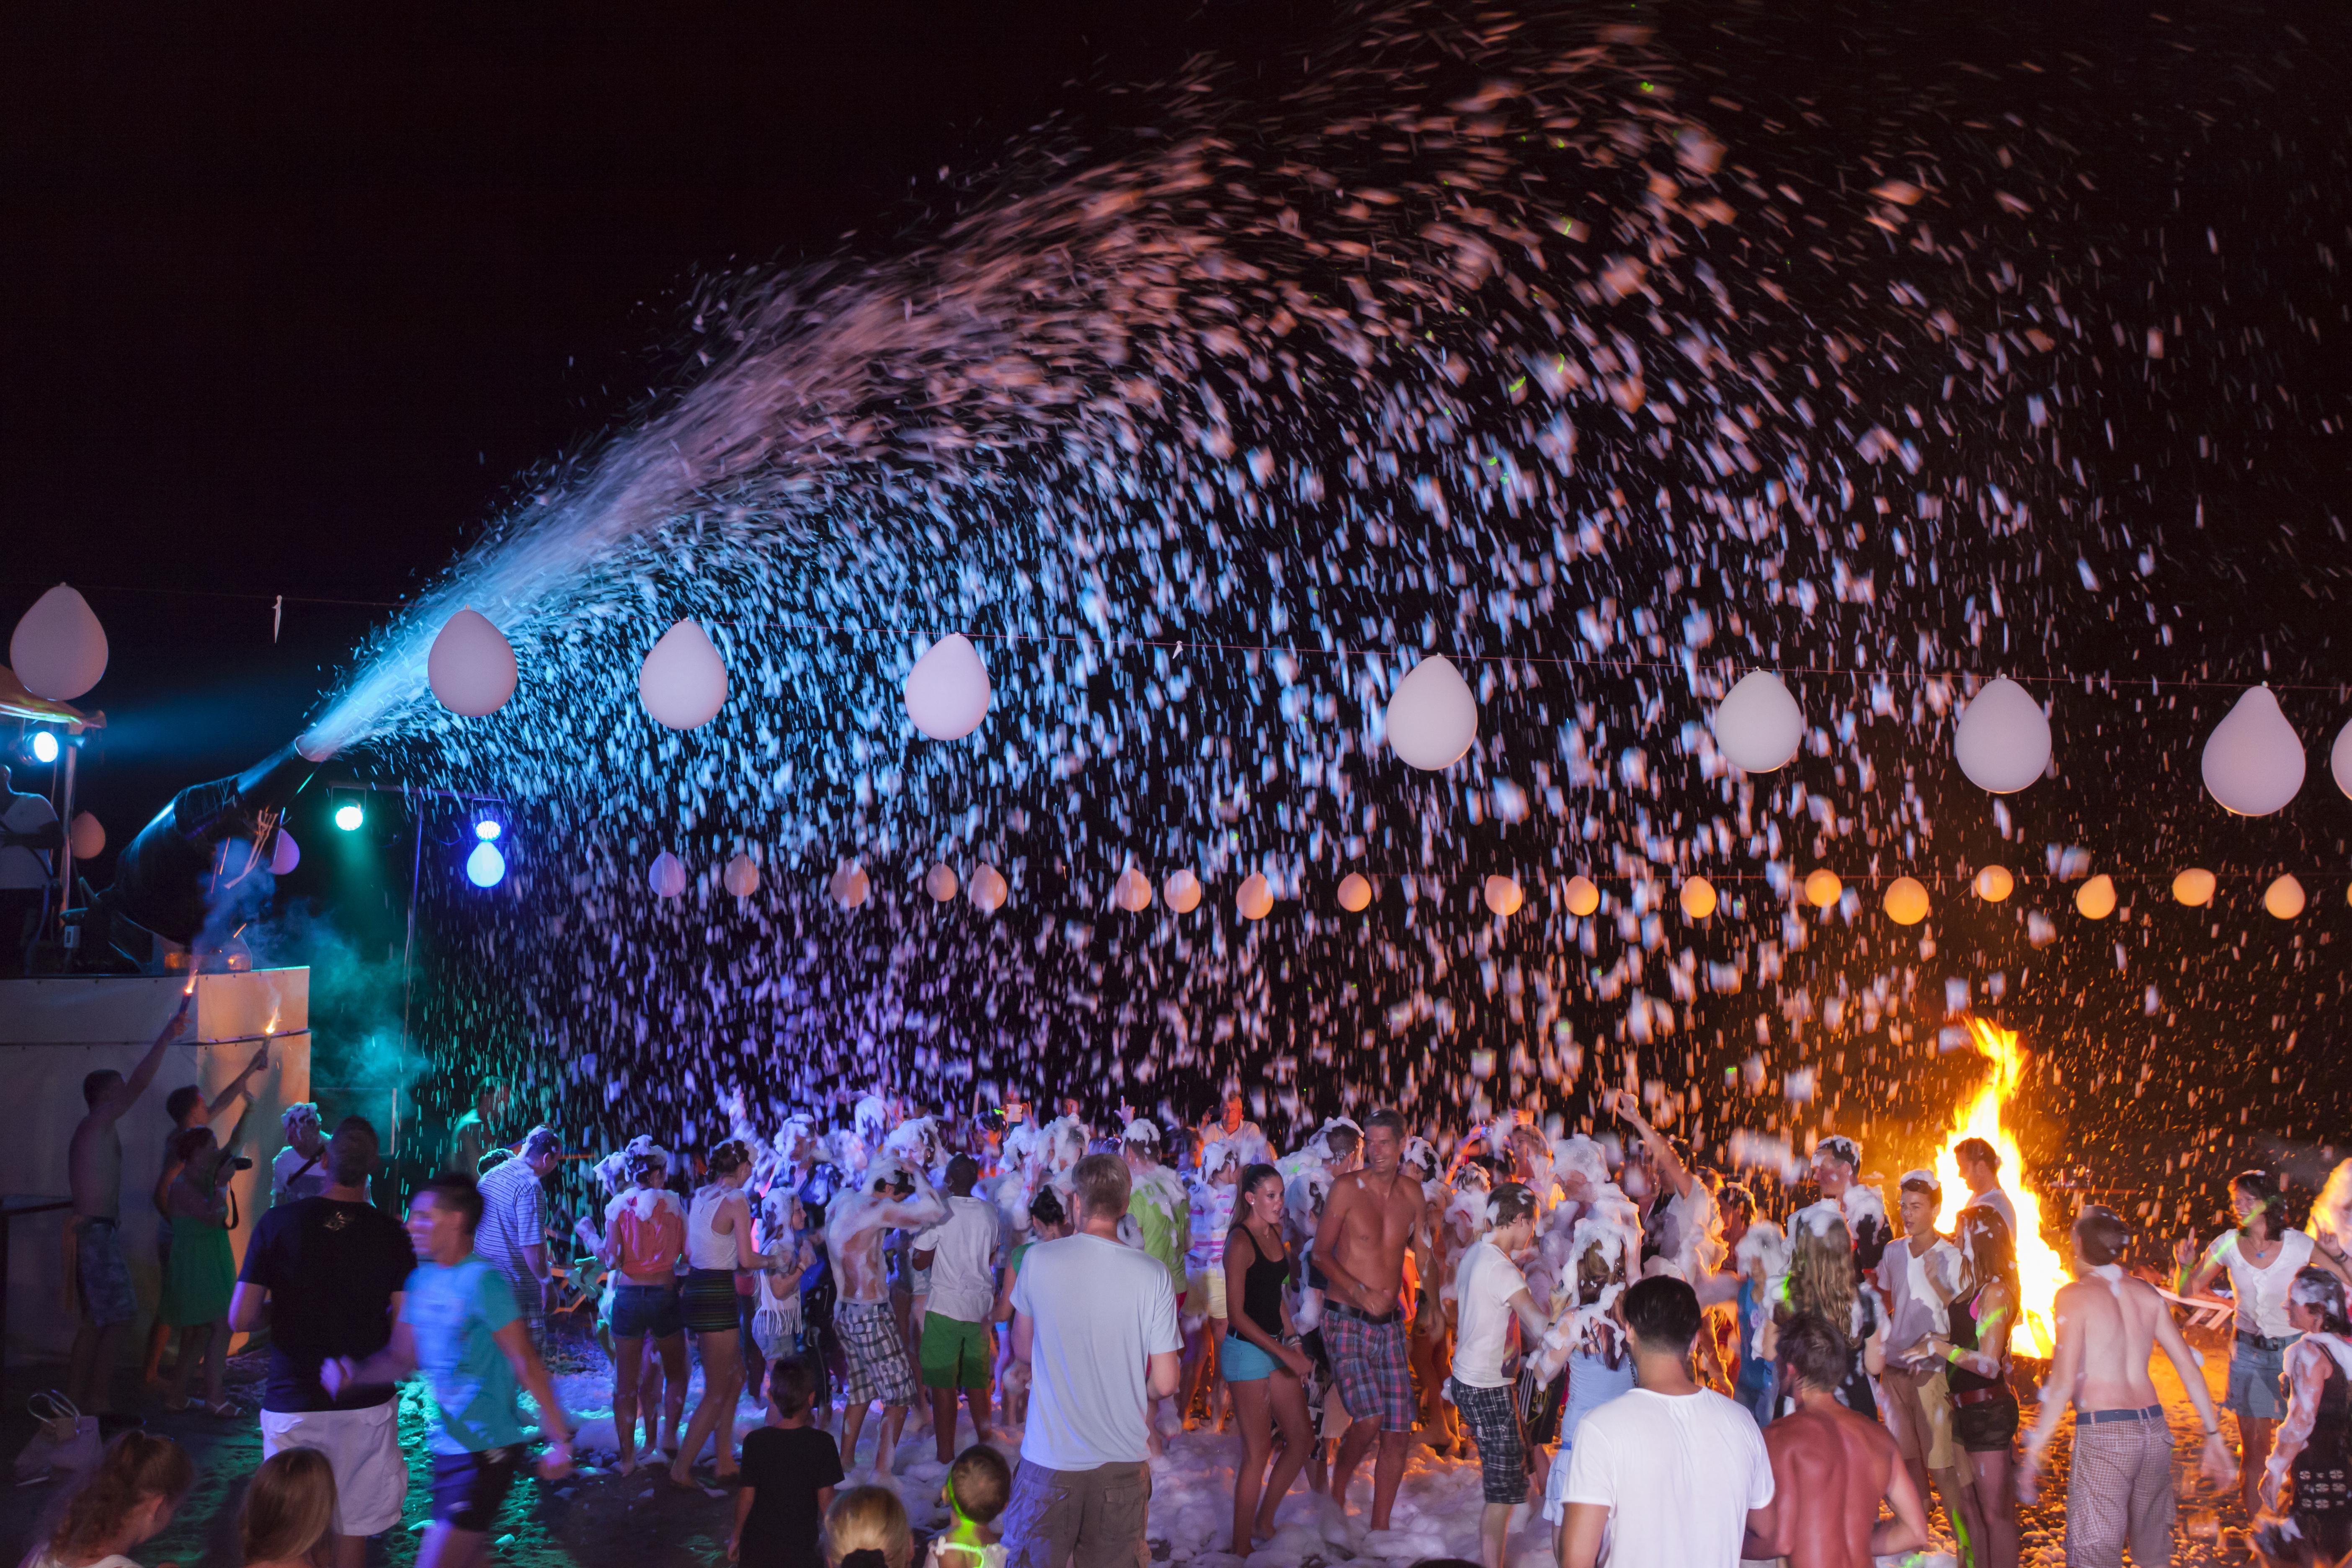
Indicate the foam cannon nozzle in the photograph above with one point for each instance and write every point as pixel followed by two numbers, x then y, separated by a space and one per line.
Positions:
pixel 164 878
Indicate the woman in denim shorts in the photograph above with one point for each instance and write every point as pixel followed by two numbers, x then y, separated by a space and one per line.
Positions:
pixel 2262 1257
pixel 644 1232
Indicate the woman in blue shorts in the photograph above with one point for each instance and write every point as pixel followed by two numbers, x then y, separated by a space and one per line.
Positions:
pixel 1260 1358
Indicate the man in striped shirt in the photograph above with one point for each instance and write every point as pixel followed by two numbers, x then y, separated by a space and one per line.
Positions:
pixel 512 1237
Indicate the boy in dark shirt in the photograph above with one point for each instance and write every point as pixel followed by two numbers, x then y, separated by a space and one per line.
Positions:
pixel 789 1468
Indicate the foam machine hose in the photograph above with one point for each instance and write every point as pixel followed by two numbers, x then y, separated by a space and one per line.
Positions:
pixel 161 878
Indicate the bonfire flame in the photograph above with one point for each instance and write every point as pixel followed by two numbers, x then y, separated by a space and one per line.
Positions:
pixel 2039 1270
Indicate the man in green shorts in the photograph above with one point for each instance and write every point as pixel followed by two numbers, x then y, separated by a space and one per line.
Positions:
pixel 958 1350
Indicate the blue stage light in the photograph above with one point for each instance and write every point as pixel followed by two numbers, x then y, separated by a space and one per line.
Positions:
pixel 487 829
pixel 485 868
pixel 348 816
pixel 45 745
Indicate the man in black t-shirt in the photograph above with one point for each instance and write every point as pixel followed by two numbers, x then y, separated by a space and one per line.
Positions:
pixel 328 1272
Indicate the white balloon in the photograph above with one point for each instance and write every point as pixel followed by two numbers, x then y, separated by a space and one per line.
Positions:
pixel 742 875
pixel 2097 898
pixel 1433 715
pixel 1355 892
pixel 1906 901
pixel 940 881
pixel 2339 761
pixel 1133 891
pixel 1504 896
pixel 284 853
pixel 2003 742
pixel 1583 897
pixel 1759 725
pixel 1183 892
pixel 1254 897
pixel 1995 883
pixel 88 835
pixel 683 682
pixel 2253 758
pixel 2284 898
pixel 2194 886
pixel 472 666
pixel 58 650
pixel 1823 889
pixel 849 885
pixel 988 888
pixel 1698 897
pixel 947 691
pixel 667 876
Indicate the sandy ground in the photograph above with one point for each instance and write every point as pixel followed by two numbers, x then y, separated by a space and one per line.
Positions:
pixel 601 1519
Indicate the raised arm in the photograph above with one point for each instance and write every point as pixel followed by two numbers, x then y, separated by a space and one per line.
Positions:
pixel 2191 1279
pixel 1668 1164
pixel 921 1208
pixel 242 1084
pixel 126 1093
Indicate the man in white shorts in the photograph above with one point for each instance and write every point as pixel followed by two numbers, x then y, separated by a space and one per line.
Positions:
pixel 326 1272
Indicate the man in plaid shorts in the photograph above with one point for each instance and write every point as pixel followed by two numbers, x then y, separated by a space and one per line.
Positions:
pixel 1360 1247
pixel 1489 1293
pixel 896 1196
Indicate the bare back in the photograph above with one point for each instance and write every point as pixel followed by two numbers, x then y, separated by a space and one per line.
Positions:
pixel 1368 1223
pixel 94 1164
pixel 1829 1468
pixel 2115 1334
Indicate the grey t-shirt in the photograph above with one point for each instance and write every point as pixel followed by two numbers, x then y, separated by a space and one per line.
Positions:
pixel 1099 1310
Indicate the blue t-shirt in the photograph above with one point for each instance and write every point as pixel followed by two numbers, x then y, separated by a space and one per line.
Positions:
pixel 454 1311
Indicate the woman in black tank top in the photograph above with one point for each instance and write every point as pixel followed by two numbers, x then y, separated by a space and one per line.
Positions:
pixel 1260 1358
pixel 1984 1411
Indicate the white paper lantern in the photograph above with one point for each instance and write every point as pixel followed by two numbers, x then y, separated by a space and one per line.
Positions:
pixel 1583 898
pixel 1759 725
pixel 1254 897
pixel 1697 898
pixel 2253 758
pixel 86 835
pixel 1183 892
pixel 988 889
pixel 947 691
pixel 1504 896
pixel 683 682
pixel 2003 742
pixel 2283 898
pixel 742 876
pixel 284 853
pixel 1823 889
pixel 1994 883
pixel 848 885
pixel 1433 715
pixel 1906 901
pixel 940 881
pixel 2339 761
pixel 2097 898
pixel 472 666
pixel 58 650
pixel 1133 891
pixel 2194 888
pixel 1355 892
pixel 666 875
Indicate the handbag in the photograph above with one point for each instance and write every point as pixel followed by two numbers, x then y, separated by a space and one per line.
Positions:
pixel 65 1443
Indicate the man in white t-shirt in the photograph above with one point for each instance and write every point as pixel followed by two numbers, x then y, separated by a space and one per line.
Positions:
pixel 956 1349
pixel 1489 1295
pixel 1670 1475
pixel 1096 1322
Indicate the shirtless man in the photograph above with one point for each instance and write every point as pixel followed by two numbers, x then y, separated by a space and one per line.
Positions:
pixel 2120 1486
pixel 94 1160
pixel 895 1197
pixel 1830 1467
pixel 1368 1221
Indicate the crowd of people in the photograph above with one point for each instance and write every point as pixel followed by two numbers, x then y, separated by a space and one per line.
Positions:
pixel 1634 1348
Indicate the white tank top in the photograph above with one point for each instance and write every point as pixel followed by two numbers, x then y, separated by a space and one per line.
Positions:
pixel 705 1248
pixel 2262 1292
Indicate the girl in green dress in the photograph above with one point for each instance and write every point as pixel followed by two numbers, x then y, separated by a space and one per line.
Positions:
pixel 198 1207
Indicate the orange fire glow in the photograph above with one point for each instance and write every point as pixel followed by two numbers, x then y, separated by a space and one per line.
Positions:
pixel 2039 1269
